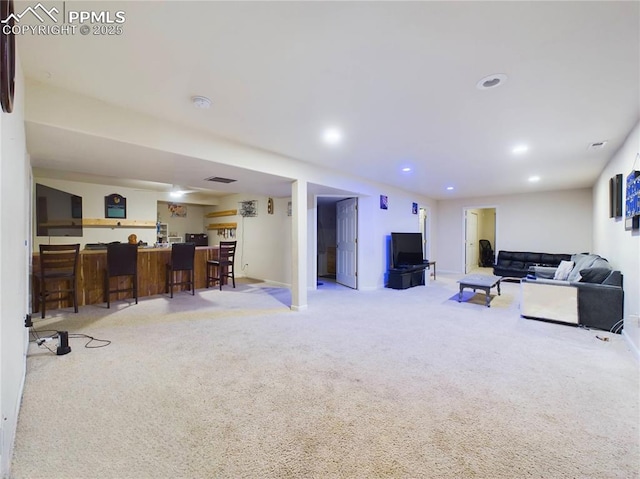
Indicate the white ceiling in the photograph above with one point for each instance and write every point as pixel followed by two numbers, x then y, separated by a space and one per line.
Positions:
pixel 399 78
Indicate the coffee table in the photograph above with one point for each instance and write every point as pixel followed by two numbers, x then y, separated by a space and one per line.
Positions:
pixel 483 282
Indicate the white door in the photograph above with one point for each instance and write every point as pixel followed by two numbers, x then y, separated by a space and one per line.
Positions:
pixel 424 229
pixel 347 238
pixel 471 261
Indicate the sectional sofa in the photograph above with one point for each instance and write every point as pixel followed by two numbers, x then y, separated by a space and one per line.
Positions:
pixel 516 264
pixel 584 290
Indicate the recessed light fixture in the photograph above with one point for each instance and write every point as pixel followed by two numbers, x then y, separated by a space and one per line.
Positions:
pixel 332 136
pixel 406 169
pixel 449 188
pixel 201 102
pixel 520 149
pixel 534 179
pixel 491 81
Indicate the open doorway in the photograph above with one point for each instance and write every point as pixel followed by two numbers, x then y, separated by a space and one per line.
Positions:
pixel 479 228
pixel 337 241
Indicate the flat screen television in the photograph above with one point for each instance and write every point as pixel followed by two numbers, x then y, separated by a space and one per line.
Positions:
pixel 58 213
pixel 406 249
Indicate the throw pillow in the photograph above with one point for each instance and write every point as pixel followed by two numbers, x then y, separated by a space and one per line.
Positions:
pixel 562 273
pixel 594 275
pixel 582 261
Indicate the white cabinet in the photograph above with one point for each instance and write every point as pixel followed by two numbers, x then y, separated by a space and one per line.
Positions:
pixel 163 233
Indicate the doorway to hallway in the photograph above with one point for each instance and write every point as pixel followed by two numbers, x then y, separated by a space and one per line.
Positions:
pixel 479 224
pixel 337 226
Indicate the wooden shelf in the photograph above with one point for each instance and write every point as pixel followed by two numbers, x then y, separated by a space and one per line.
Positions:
pixel 222 226
pixel 114 223
pixel 218 214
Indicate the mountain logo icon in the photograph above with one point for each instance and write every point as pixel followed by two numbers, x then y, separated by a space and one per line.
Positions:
pixel 34 11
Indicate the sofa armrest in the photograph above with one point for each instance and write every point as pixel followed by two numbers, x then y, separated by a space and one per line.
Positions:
pixel 600 306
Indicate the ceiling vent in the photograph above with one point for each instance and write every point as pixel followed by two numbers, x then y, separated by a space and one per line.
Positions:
pixel 219 179
pixel 598 145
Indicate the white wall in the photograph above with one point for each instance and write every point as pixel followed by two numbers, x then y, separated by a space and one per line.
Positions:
pixel 375 226
pixel 621 247
pixel 15 171
pixel 264 241
pixel 548 222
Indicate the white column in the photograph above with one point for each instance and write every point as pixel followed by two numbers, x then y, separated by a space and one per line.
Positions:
pixel 299 245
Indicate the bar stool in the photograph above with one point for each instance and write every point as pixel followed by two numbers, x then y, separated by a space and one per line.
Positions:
pixel 122 260
pixel 224 264
pixel 182 255
pixel 57 275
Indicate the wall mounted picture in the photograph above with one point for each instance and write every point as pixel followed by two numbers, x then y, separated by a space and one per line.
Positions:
pixel 632 203
pixel 248 208
pixel 177 211
pixel 115 206
pixel 384 202
pixel 414 208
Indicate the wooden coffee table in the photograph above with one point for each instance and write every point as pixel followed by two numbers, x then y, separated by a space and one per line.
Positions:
pixel 483 282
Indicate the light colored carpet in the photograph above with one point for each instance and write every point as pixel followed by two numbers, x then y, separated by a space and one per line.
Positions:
pixel 381 384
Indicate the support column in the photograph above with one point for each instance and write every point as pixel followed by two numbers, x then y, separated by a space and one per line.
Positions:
pixel 299 245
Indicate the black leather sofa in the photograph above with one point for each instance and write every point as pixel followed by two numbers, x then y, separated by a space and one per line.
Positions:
pixel 516 264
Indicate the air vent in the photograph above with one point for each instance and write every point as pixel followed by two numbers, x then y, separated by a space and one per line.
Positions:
pixel 598 145
pixel 219 179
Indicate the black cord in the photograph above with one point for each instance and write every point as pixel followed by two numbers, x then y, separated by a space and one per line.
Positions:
pixel 74 335
pixel 91 339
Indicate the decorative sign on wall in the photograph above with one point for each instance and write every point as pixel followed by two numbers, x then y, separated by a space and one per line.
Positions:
pixel 414 208
pixel 115 206
pixel 384 202
pixel 632 204
pixel 177 211
pixel 248 208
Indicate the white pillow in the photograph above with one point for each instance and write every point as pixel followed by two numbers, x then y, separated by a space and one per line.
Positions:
pixel 563 270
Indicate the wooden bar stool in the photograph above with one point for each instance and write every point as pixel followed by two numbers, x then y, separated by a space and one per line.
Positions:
pixel 122 260
pixel 57 275
pixel 182 256
pixel 223 266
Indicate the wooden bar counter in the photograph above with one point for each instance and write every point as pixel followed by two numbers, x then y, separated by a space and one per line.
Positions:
pixel 151 275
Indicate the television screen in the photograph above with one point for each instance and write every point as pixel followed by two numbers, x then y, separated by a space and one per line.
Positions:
pixel 406 249
pixel 58 213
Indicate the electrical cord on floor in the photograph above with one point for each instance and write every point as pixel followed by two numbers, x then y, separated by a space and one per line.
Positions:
pixel 40 341
pixel 91 339
pixel 616 328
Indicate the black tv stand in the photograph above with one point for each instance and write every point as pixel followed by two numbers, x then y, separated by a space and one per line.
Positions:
pixel 407 276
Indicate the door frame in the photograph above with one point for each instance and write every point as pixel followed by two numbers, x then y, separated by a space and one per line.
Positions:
pixel 465 209
pixel 314 266
pixel 425 229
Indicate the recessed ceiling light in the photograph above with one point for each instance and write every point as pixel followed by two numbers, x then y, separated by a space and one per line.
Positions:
pixel 491 81
pixel 534 179
pixel 406 169
pixel 201 102
pixel 449 188
pixel 332 136
pixel 518 150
